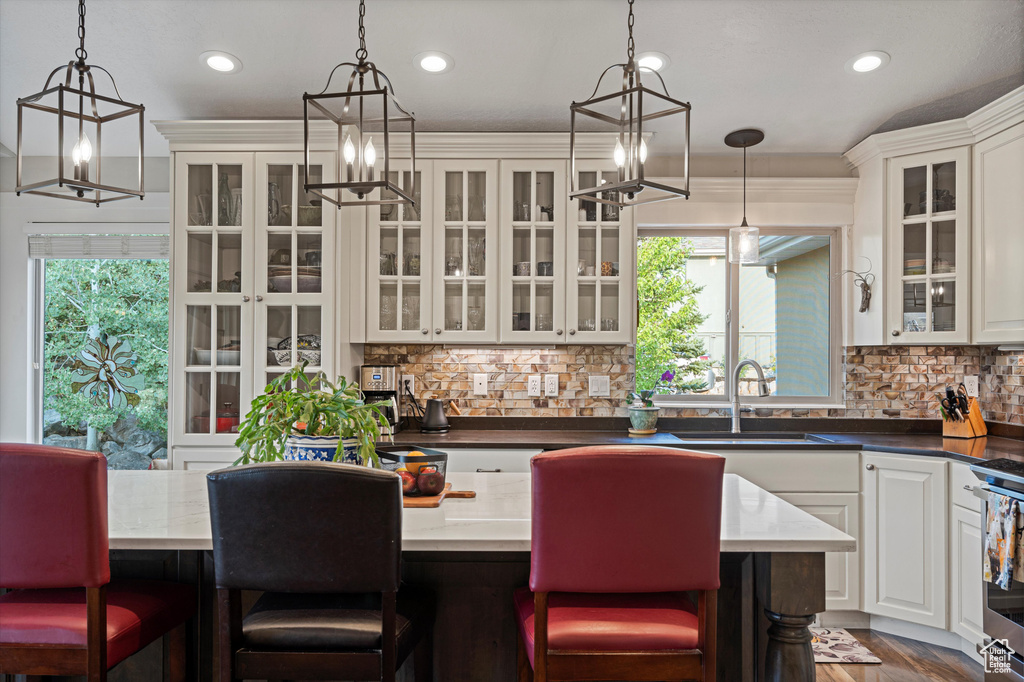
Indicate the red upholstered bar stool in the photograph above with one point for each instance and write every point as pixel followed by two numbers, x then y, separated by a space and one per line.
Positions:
pixel 621 534
pixel 65 616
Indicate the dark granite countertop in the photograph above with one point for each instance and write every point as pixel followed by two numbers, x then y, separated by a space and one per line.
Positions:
pixel 929 445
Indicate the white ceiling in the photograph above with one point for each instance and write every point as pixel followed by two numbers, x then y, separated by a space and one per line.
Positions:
pixel 772 64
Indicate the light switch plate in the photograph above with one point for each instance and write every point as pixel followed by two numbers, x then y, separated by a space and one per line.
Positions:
pixel 551 385
pixel 479 384
pixel 533 386
pixel 412 385
pixel 971 384
pixel 600 386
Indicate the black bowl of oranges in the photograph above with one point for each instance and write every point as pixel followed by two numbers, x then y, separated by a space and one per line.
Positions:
pixel 422 469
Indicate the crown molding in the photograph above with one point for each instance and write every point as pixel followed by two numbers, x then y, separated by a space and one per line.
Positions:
pixel 998 115
pixel 766 190
pixel 282 135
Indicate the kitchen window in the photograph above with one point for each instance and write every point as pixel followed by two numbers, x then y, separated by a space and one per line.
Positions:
pixel 699 316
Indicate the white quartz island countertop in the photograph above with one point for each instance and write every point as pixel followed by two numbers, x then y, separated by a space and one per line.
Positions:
pixel 170 510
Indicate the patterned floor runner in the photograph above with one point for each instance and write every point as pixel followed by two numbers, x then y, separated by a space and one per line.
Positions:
pixel 839 646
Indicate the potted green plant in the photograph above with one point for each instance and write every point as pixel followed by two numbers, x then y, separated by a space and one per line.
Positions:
pixel 643 415
pixel 305 417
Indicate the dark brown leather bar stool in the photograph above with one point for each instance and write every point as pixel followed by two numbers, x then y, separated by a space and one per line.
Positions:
pixel 323 541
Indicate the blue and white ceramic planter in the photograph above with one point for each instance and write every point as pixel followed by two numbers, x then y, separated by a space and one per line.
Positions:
pixel 321 448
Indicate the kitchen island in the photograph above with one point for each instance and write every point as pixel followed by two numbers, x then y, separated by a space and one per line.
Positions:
pixel 473 552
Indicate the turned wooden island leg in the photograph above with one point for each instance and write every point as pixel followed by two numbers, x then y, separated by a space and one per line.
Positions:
pixel 791 590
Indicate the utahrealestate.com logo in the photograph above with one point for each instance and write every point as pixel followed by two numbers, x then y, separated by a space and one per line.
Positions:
pixel 997 656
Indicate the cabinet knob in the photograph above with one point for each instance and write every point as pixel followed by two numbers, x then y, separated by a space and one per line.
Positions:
pixel 895 332
pixel 424 331
pixel 437 330
pixel 870 467
pixel 259 298
pixel 245 299
pixel 572 332
pixel 558 332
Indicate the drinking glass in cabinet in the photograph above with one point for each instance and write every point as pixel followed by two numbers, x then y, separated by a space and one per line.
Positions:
pixel 476 302
pixel 586 302
pixel 279 194
pixel 521 307
pixel 943 293
pixel 545 300
pixel 410 305
pixel 279 334
pixel 476 193
pixel 522 195
pixel 411 252
pixel 310 206
pixel 609 307
pixel 943 247
pixel 587 241
pixel 200 195
pixel 544 248
pixel 477 253
pixel 200 261
pixel 388 313
pixel 198 333
pixel 453 196
pixel 309 247
pixel 453 306
pixel 229 196
pixel 453 252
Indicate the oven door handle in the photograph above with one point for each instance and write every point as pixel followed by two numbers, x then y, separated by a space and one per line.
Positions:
pixel 982 492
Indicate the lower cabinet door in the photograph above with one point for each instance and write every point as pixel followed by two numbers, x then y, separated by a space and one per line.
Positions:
pixel 965 574
pixel 905 507
pixel 203 459
pixel 842 569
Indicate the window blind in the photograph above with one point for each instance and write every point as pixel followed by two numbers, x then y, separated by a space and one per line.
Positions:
pixel 99 246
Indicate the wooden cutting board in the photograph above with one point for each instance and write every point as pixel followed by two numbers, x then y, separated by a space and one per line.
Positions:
pixel 435 500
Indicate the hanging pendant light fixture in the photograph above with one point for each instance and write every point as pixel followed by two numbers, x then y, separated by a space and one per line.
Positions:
pixel 367 119
pixel 743 240
pixel 626 110
pixel 91 116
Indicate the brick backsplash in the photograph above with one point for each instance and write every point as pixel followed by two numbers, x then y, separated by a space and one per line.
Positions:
pixel 881 381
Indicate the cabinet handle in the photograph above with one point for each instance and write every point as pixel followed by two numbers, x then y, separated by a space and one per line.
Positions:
pixel 559 332
pixel 572 332
pixel 969 488
pixel 437 330
pixel 870 467
pixel 259 298
pixel 424 331
pixel 895 332
pixel 245 299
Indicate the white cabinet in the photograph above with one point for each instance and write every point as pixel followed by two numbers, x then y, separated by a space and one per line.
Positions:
pixel 600 252
pixel 904 549
pixel 842 569
pixel 928 284
pixel 400 262
pixel 998 238
pixel 965 574
pixel 252 290
pixel 533 264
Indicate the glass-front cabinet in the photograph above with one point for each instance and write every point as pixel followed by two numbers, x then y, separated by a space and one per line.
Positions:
pixel 929 238
pixel 253 284
pixel 464 267
pixel 600 247
pixel 400 264
pixel 533 265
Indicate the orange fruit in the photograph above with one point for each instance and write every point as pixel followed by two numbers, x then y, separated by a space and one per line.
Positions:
pixel 413 468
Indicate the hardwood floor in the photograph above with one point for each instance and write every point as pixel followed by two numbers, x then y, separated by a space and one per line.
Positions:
pixel 903 660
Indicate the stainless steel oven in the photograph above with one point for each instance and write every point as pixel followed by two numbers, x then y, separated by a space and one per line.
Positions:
pixel 1004 609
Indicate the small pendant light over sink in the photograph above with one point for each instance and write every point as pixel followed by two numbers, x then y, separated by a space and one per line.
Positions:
pixel 84 120
pixel 743 240
pixel 368 117
pixel 626 110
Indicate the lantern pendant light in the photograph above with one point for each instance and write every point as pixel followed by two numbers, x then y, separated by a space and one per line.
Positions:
pixel 626 111
pixel 367 116
pixel 92 115
pixel 743 240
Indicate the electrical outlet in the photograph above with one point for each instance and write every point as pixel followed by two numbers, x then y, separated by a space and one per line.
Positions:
pixel 479 384
pixel 971 384
pixel 600 386
pixel 533 386
pixel 551 385
pixel 408 381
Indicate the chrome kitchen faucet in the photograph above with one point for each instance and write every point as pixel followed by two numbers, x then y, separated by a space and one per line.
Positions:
pixel 762 390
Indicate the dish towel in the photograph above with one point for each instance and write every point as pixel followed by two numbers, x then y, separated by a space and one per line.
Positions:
pixel 1004 541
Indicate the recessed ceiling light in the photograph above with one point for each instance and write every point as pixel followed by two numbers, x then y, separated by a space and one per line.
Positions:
pixel 222 62
pixel 867 61
pixel 434 61
pixel 652 61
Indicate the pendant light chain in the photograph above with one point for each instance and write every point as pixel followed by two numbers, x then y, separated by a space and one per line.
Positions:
pixel 80 52
pixel 361 52
pixel 630 46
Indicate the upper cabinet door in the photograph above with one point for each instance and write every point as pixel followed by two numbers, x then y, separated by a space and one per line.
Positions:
pixel 998 252
pixel 213 306
pixel 601 250
pixel 533 265
pixel 465 264
pixel 399 265
pixel 294 291
pixel 929 248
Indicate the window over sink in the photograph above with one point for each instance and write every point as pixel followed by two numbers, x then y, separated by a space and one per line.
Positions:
pixel 699 316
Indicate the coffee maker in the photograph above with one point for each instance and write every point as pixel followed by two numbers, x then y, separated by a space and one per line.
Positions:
pixel 379 383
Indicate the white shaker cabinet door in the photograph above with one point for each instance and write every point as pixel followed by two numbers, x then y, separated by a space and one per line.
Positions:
pixel 965 574
pixel 998 244
pixel 904 536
